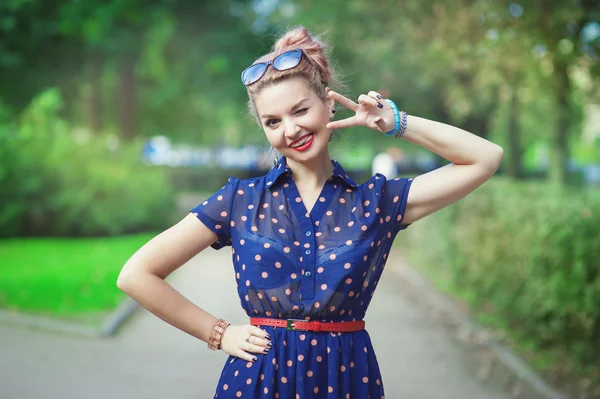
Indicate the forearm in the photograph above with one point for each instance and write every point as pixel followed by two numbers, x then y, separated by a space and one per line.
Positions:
pixel 156 295
pixel 454 144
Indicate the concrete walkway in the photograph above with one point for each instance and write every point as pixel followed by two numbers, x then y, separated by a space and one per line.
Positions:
pixel 151 359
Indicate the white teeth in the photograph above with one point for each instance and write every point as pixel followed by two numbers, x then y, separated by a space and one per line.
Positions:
pixel 302 142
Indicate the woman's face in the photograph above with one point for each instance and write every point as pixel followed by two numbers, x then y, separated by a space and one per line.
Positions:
pixel 294 119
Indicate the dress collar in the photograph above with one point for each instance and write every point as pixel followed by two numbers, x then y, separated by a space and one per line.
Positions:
pixel 281 169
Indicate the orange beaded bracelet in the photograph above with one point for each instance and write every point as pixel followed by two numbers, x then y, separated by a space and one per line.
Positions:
pixel 214 342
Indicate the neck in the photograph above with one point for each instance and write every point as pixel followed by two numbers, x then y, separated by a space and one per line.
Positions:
pixel 313 173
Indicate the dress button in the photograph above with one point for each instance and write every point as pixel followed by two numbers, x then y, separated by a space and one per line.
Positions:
pixel 308 233
pixel 307 252
pixel 308 274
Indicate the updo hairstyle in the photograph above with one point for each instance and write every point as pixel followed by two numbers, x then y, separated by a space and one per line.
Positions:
pixel 316 71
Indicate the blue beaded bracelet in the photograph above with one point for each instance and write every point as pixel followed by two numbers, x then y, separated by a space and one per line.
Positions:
pixel 401 121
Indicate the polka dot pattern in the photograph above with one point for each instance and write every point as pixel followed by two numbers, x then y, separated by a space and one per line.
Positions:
pixel 319 261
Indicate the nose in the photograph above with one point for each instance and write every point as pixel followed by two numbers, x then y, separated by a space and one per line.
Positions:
pixel 292 130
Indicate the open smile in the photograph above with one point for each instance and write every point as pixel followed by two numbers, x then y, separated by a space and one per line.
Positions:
pixel 303 143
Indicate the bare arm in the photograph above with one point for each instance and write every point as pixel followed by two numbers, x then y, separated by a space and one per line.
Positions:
pixel 474 160
pixel 142 277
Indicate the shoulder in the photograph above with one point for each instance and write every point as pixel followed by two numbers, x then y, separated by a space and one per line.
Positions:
pixel 377 181
pixel 380 185
pixel 252 184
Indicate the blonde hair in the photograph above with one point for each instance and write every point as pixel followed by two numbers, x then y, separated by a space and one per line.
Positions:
pixel 316 71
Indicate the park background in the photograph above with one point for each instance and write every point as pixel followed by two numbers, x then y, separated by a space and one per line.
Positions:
pixel 114 115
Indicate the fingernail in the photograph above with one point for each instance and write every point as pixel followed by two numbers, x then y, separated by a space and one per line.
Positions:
pixel 269 344
pixel 380 105
pixel 266 350
pixel 254 359
pixel 378 96
pixel 268 336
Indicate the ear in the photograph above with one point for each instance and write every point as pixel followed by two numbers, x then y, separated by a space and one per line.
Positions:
pixel 329 102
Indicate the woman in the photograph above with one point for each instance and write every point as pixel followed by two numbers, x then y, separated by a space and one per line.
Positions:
pixel 309 244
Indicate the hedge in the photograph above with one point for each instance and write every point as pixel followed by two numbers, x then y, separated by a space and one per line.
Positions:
pixel 528 253
pixel 56 180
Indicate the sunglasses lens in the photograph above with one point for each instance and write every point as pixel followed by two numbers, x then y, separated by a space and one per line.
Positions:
pixel 287 60
pixel 253 73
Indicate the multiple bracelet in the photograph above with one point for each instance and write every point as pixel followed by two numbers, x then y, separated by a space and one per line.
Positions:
pixel 214 342
pixel 401 121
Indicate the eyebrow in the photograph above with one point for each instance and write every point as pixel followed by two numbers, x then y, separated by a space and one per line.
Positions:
pixel 299 103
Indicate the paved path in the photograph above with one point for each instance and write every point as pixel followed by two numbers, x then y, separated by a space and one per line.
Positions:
pixel 150 359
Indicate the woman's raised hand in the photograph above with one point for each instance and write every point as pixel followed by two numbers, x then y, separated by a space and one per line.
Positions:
pixel 244 341
pixel 371 111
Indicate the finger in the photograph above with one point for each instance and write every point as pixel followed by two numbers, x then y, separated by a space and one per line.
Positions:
pixel 369 101
pixel 375 95
pixel 262 342
pixel 259 332
pixel 250 347
pixel 344 101
pixel 343 123
pixel 379 123
pixel 245 356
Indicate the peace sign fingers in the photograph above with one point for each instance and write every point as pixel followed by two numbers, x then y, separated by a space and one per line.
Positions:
pixel 344 101
pixel 368 111
pixel 347 103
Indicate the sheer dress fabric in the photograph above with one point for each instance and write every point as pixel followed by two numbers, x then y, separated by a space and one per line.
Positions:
pixel 323 265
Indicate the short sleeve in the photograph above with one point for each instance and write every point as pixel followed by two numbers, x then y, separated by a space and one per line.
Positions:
pixel 215 213
pixel 395 195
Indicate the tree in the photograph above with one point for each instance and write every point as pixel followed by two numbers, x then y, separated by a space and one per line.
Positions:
pixel 557 31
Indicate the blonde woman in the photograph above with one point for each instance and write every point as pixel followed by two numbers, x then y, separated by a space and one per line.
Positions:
pixel 309 244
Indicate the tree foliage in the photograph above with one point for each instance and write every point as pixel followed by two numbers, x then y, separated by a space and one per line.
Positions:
pixel 520 73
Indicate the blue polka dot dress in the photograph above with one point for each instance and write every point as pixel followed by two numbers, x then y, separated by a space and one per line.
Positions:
pixel 322 265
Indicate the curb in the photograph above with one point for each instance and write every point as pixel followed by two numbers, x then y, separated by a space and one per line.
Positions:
pixel 109 327
pixel 116 319
pixel 508 359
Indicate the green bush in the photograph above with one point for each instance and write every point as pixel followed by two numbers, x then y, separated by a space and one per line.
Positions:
pixel 57 181
pixel 528 252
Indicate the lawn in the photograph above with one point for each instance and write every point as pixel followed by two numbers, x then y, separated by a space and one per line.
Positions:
pixel 64 277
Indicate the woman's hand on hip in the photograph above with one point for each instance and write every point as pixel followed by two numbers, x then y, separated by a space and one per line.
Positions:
pixel 371 111
pixel 245 341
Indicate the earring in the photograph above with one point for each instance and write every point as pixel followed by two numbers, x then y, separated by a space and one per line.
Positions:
pixel 331 137
pixel 275 160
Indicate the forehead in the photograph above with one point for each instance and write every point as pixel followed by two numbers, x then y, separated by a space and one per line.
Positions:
pixel 281 96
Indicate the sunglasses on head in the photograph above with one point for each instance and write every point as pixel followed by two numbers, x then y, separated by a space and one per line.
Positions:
pixel 284 61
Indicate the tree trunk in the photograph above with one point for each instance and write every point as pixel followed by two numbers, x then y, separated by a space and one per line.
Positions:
pixel 95 105
pixel 478 125
pixel 127 97
pixel 514 167
pixel 560 138
pixel 441 114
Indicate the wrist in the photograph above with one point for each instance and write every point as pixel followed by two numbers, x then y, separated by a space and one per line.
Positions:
pixel 400 121
pixel 216 336
pixel 389 121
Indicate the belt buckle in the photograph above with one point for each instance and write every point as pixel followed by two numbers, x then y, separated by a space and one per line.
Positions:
pixel 291 328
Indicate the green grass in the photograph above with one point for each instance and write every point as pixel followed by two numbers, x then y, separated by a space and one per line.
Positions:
pixel 64 277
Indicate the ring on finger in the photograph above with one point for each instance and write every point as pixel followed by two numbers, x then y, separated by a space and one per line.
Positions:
pixel 248 339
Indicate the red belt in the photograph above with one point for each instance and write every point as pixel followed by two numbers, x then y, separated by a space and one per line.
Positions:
pixel 304 325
